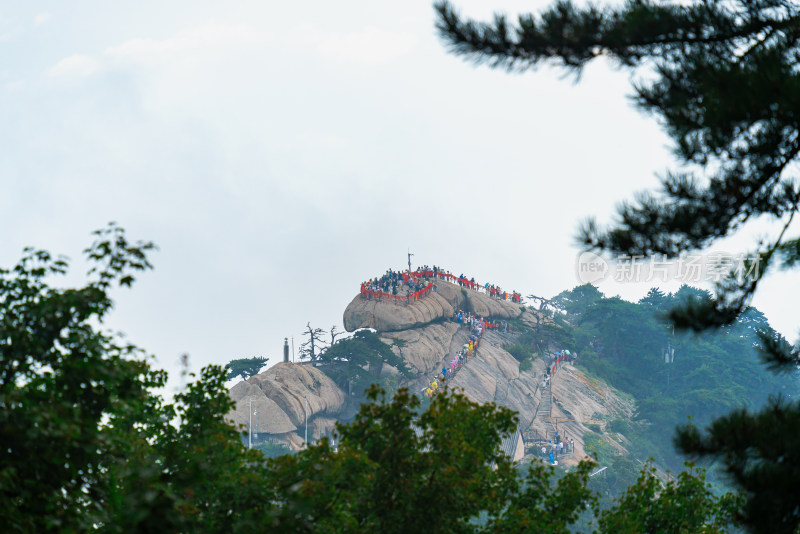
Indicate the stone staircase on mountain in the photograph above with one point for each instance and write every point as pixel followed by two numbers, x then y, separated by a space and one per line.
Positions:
pixel 545 408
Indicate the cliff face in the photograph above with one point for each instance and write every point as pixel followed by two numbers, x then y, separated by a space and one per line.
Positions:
pixel 423 334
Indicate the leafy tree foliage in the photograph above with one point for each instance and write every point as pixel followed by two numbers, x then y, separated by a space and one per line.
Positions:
pixel 245 367
pixel 725 84
pixel 519 351
pixel 59 378
pixel 270 449
pixel 399 471
pixel 538 506
pixel 86 444
pixel 657 300
pixel 579 299
pixel 651 506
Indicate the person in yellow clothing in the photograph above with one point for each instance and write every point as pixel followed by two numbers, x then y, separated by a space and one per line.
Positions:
pixel 435 385
pixel 428 392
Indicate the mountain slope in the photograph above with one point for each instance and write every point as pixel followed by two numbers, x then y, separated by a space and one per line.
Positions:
pixel 424 335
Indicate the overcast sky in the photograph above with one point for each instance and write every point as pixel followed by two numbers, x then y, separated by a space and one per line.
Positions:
pixel 279 153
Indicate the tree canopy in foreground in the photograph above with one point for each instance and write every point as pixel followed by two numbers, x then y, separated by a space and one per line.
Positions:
pixel 724 80
pixel 89 446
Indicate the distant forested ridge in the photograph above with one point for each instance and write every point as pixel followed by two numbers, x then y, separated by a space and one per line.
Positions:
pixel 671 375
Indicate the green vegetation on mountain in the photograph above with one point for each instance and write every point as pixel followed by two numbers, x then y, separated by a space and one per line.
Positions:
pixel 355 363
pixel 88 444
pixel 245 367
pixel 672 375
pixel 722 78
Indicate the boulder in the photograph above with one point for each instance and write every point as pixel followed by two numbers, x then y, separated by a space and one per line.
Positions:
pixel 292 390
pixel 477 302
pixel 485 306
pixel 244 389
pixel 388 316
pixel 268 417
pixel 586 398
pixel 293 440
pixel 321 426
pixel 391 316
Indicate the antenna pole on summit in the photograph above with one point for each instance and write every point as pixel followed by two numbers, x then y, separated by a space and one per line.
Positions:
pixel 409 261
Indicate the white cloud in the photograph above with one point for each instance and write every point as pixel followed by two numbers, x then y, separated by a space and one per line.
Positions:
pixel 189 47
pixel 76 65
pixel 196 42
pixel 368 47
pixel 42 18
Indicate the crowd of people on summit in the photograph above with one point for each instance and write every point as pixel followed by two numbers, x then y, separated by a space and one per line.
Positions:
pixel 405 283
pixel 394 282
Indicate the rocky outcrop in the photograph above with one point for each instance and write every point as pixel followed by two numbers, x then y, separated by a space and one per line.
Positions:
pixel 269 419
pixel 424 336
pixel 493 375
pixel 424 349
pixel 385 316
pixel 282 395
pixel 486 306
pixel 390 316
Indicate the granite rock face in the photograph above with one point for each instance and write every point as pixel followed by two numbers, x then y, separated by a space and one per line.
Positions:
pixel 391 316
pixel 424 348
pixel 424 335
pixel 270 418
pixel 578 401
pixel 282 395
pixel 385 316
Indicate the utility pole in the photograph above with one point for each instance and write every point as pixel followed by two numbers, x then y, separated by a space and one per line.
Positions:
pixel 669 354
pixel 409 261
pixel 292 349
pixel 250 427
pixel 305 412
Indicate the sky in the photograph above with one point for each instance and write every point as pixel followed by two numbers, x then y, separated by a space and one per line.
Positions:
pixel 280 153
